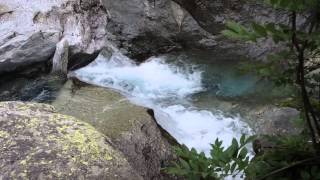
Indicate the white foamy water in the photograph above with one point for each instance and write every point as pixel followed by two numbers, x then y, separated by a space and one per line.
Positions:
pixel 165 87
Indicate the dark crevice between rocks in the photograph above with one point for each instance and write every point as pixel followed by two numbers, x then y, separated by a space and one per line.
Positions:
pixel 202 14
pixel 172 141
pixel 42 89
pixel 147 45
pixel 34 82
pixel 29 83
pixel 80 60
pixel 29 70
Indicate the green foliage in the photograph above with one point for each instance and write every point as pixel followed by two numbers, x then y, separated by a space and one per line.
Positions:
pixel 288 157
pixel 257 31
pixel 280 72
pixel 292 5
pixel 222 162
pixel 278 68
pixel 238 31
pixel 282 66
pixel 285 160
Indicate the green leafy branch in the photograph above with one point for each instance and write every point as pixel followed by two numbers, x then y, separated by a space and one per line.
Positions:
pixel 222 162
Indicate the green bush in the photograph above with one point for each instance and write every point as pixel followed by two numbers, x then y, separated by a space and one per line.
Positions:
pixel 287 158
pixel 221 162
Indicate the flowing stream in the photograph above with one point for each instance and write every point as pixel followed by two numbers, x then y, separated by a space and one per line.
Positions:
pixel 169 84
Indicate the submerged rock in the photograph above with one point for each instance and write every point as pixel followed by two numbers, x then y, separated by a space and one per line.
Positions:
pixel 262 116
pixel 38 143
pixel 130 127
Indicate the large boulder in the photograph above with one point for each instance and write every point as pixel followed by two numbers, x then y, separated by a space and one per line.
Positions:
pixel 273 120
pixel 262 115
pixel 38 143
pixel 212 15
pixel 21 50
pixel 30 30
pixel 131 128
pixel 145 27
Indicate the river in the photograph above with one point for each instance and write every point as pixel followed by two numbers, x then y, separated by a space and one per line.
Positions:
pixel 174 86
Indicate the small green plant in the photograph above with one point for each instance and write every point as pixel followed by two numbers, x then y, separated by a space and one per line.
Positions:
pixel 221 162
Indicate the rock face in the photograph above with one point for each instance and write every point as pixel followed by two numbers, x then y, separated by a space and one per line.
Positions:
pixel 38 143
pixel 30 30
pixel 145 27
pixel 20 50
pixel 212 15
pixel 131 128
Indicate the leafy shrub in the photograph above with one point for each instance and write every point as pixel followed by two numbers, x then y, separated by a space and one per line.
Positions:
pixel 288 158
pixel 221 163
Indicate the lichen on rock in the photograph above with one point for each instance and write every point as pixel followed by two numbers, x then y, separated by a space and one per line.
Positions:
pixel 38 143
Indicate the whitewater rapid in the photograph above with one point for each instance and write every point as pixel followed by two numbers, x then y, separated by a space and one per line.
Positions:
pixel 166 88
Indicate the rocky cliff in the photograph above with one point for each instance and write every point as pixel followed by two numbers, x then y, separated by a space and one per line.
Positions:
pixel 30 30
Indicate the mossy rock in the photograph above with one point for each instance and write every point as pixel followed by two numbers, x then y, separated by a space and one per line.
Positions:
pixel 131 128
pixel 107 110
pixel 38 143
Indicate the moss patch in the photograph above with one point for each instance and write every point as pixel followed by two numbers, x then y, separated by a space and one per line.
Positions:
pixel 106 110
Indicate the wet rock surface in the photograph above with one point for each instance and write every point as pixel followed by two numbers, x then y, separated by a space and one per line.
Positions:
pixel 42 89
pixel 38 143
pixel 131 128
pixel 263 118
